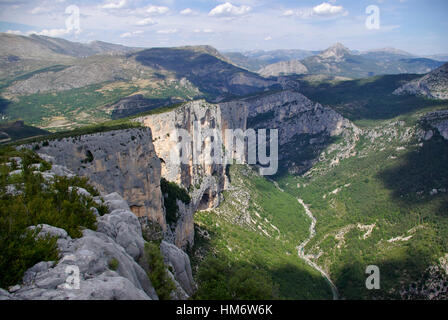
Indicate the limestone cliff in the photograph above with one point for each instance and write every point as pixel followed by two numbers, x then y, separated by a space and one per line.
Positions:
pixel 294 115
pixel 122 161
pixel 205 183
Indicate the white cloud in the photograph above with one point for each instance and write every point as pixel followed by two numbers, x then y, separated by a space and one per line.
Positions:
pixel 228 9
pixel 326 8
pixel 188 12
pixel 114 4
pixel 14 32
pixel 167 31
pixel 157 10
pixel 203 30
pixel 38 10
pixel 126 35
pixel 130 34
pixel 268 38
pixel 146 22
pixel 53 32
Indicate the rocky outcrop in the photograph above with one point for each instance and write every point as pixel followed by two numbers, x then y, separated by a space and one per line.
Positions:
pixel 434 85
pixel 283 68
pixel 101 265
pixel 437 120
pixel 122 161
pixel 179 262
pixel 433 284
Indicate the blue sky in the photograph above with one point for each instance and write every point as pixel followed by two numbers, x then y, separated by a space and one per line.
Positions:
pixel 417 26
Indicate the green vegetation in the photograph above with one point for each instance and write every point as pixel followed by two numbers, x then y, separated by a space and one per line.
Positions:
pixel 172 192
pixel 27 199
pixel 258 238
pixel 157 271
pixel 369 98
pixel 222 280
pixel 66 109
pixel 386 186
pixel 113 264
pixel 120 124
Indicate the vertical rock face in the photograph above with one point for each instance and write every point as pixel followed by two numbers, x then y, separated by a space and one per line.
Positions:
pixel 294 115
pixel 122 160
pixel 204 180
pixel 436 120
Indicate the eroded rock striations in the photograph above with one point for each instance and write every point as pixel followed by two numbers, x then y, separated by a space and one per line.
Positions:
pixel 122 161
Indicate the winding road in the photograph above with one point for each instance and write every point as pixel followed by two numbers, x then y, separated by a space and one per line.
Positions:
pixel 301 247
pixel 302 255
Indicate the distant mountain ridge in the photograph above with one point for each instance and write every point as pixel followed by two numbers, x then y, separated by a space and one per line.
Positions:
pixel 60 46
pixel 337 60
pixel 56 84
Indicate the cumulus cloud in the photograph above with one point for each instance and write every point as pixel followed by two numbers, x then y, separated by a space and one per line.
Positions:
pixel 146 22
pixel 53 32
pixel 113 4
pixel 268 38
pixel 228 9
pixel 130 34
pixel 14 32
pixel 157 9
pixel 38 10
pixel 203 30
pixel 167 31
pixel 188 12
pixel 325 9
pixel 288 13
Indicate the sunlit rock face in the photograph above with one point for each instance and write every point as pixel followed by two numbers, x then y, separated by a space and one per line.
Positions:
pixel 122 161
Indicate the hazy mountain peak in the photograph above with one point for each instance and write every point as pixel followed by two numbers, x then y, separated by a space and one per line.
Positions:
pixel 338 50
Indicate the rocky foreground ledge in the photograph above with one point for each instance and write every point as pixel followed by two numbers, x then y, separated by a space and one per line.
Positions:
pixel 109 262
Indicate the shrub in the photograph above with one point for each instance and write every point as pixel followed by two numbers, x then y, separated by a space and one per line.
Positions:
pixel 219 279
pixel 37 202
pixel 157 272
pixel 173 192
pixel 113 264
